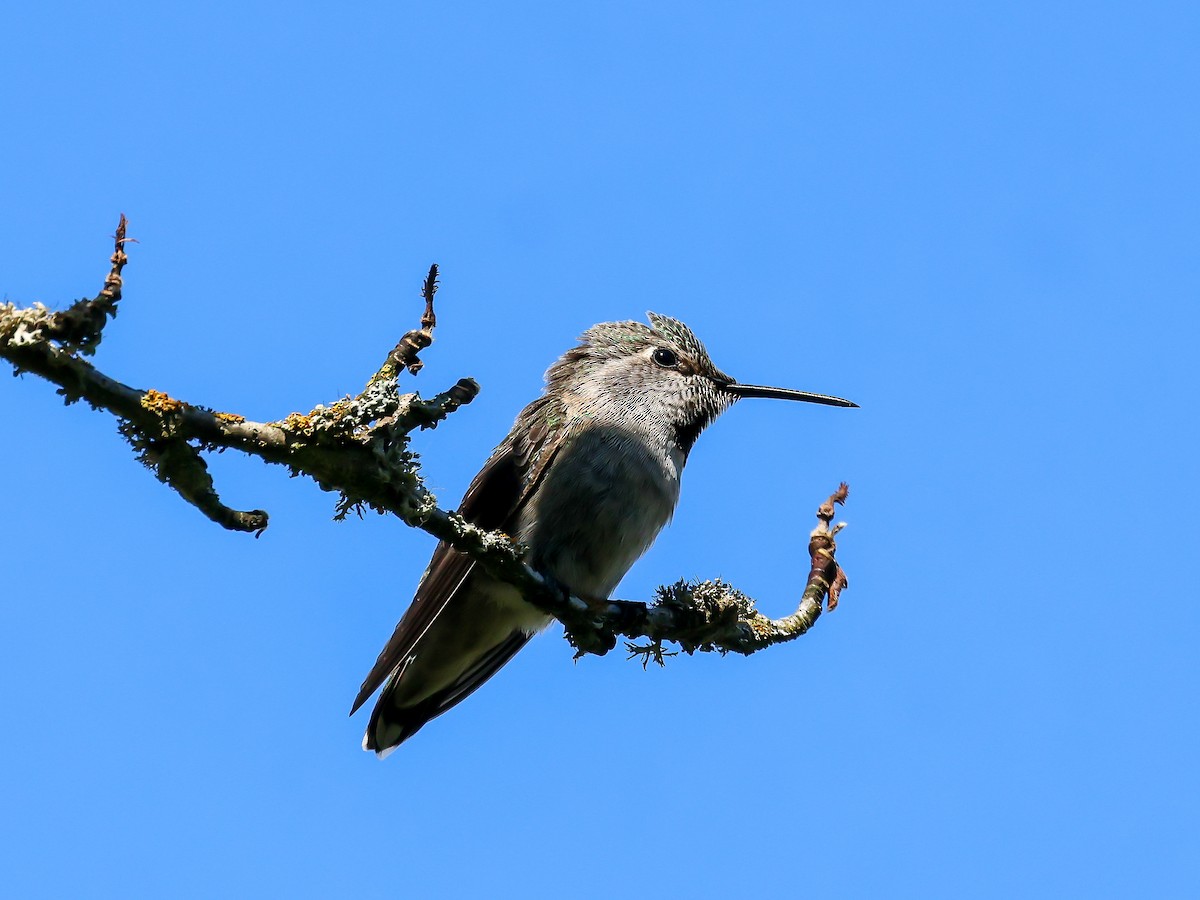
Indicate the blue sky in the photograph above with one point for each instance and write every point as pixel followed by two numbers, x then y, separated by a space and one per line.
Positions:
pixel 980 221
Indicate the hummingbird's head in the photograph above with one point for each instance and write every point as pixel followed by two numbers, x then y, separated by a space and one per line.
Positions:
pixel 658 374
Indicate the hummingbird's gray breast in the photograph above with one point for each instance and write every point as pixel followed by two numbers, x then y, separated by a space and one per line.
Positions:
pixel 606 496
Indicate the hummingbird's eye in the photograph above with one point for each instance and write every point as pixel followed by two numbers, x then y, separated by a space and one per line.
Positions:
pixel 665 358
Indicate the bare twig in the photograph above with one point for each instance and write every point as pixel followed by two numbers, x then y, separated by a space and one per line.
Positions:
pixel 79 327
pixel 404 356
pixel 428 289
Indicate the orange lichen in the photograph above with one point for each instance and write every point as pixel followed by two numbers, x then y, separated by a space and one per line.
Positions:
pixel 158 402
pixel 229 418
pixel 297 422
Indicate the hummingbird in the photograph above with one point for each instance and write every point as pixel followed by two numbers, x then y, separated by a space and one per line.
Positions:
pixel 586 479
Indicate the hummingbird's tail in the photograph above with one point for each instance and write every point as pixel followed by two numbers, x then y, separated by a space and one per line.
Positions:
pixel 396 718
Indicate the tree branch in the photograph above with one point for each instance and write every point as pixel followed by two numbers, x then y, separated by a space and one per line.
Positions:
pixel 358 448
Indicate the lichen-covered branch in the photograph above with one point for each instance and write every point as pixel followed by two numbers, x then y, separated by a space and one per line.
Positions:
pixel 358 448
pixel 709 615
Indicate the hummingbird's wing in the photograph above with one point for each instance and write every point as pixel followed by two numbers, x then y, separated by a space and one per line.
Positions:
pixel 493 501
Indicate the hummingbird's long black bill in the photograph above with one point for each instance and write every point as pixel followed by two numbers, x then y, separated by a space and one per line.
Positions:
pixel 758 390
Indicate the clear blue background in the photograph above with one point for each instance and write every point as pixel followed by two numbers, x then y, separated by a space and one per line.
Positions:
pixel 980 221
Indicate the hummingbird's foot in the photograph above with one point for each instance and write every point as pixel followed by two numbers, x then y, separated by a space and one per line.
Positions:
pixel 589 633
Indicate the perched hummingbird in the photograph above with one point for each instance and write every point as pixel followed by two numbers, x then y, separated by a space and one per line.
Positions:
pixel 586 479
